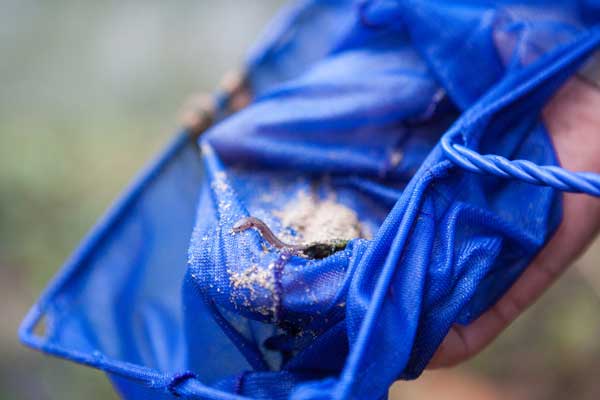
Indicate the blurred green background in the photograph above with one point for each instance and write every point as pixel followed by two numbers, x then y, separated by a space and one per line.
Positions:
pixel 91 90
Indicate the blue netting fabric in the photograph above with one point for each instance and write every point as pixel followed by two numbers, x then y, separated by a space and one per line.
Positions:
pixel 359 119
pixel 351 102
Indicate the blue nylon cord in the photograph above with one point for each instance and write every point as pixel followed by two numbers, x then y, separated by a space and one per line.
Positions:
pixel 523 170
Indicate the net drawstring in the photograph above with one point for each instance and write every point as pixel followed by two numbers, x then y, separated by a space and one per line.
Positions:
pixel 522 170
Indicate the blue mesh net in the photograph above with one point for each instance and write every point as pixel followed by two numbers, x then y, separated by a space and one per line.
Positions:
pixel 351 103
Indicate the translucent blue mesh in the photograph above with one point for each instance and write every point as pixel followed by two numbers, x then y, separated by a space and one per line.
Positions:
pixel 352 100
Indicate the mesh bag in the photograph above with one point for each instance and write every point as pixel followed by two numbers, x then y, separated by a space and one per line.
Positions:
pixel 361 153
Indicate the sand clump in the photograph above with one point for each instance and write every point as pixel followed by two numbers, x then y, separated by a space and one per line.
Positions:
pixel 313 220
pixel 256 279
pixel 251 277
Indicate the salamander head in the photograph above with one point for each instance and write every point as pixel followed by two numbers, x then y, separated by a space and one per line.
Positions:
pixel 243 224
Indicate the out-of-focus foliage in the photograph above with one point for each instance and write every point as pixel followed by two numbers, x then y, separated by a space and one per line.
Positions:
pixel 90 90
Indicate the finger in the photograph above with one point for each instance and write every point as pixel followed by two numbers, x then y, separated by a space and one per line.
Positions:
pixel 462 342
pixel 574 125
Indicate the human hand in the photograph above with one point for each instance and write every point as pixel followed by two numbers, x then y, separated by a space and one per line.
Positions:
pixel 573 121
